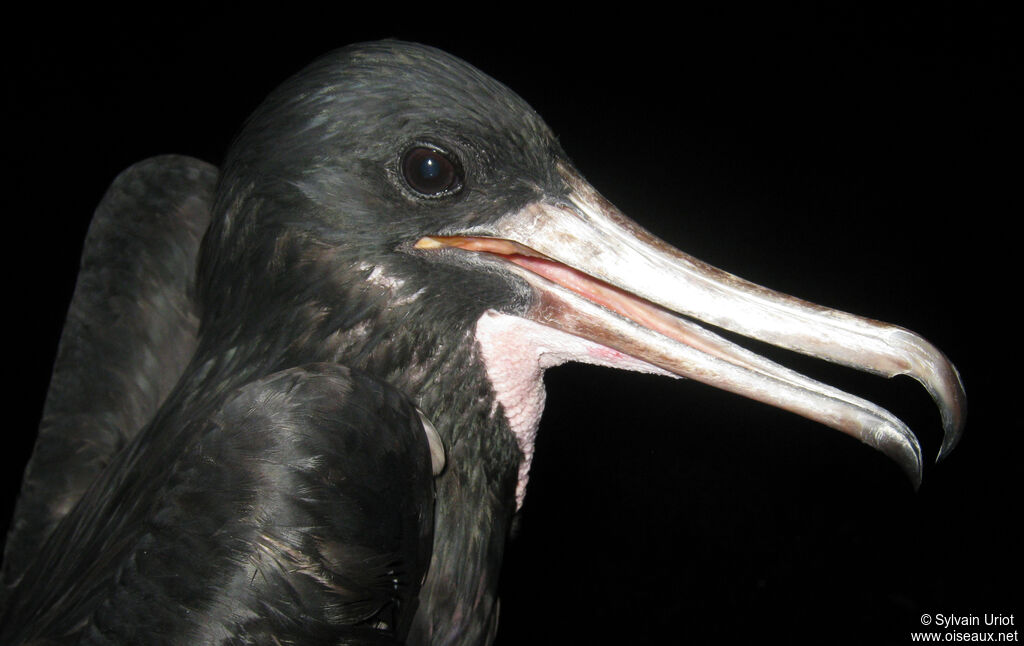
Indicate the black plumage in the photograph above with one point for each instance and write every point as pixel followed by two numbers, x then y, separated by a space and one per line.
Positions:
pixel 318 318
pixel 130 332
pixel 304 214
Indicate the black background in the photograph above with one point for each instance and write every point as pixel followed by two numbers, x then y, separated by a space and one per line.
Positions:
pixel 857 158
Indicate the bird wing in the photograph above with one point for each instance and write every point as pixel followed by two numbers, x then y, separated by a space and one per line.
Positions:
pixel 300 510
pixel 130 331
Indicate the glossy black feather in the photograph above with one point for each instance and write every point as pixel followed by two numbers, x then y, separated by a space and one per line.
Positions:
pixel 307 261
pixel 129 333
pixel 301 510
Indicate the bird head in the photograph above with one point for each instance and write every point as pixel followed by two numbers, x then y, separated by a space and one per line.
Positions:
pixel 406 184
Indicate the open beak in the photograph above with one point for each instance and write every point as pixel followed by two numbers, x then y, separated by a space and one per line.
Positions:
pixel 598 275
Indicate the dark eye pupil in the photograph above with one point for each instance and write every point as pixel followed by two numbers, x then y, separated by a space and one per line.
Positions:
pixel 430 169
pixel 430 172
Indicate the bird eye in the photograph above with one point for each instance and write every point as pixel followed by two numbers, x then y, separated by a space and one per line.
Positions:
pixel 431 172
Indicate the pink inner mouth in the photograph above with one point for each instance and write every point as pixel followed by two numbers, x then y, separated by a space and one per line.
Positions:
pixel 620 301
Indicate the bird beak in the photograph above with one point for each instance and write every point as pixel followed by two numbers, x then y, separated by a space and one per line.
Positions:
pixel 598 275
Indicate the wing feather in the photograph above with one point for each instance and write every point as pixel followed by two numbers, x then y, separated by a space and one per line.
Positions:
pixel 298 511
pixel 129 333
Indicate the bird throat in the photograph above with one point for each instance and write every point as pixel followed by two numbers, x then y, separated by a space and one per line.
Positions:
pixel 516 352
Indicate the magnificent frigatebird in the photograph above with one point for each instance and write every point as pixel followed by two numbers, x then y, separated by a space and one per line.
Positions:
pixel 345 405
